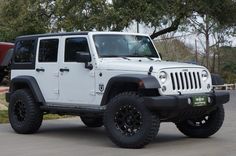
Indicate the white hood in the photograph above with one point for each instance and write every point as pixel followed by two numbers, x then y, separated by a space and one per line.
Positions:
pixel 140 64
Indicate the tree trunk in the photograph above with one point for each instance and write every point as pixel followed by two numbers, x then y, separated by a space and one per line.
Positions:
pixel 219 61
pixel 207 42
pixel 213 62
pixel 196 52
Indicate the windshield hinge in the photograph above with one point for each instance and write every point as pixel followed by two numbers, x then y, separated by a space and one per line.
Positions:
pixel 150 70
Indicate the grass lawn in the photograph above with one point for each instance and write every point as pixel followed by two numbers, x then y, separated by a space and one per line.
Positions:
pixel 2 100
pixel 3 116
pixel 4 113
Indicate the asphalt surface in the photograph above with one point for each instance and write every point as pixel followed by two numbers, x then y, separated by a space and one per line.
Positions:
pixel 70 137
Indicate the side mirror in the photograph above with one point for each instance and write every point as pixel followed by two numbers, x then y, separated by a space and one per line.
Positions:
pixel 85 58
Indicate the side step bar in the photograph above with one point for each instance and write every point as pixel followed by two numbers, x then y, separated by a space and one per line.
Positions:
pixel 78 110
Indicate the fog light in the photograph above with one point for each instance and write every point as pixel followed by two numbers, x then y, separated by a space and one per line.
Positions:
pixel 163 88
pixel 209 100
pixel 189 101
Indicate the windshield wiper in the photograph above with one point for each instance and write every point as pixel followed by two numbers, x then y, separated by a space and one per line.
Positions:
pixel 124 57
pixel 148 57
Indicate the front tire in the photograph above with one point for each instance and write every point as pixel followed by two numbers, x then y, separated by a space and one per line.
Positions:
pixel 128 122
pixel 24 113
pixel 205 126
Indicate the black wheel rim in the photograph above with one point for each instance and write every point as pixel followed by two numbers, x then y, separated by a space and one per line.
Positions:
pixel 19 110
pixel 199 122
pixel 128 120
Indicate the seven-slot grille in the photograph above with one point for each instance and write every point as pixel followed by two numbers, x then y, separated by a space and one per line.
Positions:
pixel 186 80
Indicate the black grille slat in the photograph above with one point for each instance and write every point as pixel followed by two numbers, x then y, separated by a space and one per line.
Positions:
pixel 186 80
pixel 195 80
pixel 182 80
pixel 191 80
pixel 173 81
pixel 199 80
pixel 177 80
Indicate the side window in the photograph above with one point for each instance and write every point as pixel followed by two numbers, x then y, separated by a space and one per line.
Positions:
pixel 48 50
pixel 25 51
pixel 74 45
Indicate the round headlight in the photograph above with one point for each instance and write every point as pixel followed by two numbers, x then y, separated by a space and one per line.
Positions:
pixel 163 77
pixel 205 75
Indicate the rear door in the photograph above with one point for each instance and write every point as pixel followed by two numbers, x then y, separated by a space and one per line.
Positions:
pixel 47 73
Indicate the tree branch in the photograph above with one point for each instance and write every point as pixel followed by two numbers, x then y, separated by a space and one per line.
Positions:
pixel 174 26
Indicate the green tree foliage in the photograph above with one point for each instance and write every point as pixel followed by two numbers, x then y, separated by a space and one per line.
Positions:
pixel 19 17
pixel 172 13
pixel 83 15
pixel 22 17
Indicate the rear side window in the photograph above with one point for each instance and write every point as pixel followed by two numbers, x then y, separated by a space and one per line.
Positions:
pixel 48 50
pixel 73 46
pixel 25 51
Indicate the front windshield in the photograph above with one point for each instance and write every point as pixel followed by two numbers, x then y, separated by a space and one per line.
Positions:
pixel 124 46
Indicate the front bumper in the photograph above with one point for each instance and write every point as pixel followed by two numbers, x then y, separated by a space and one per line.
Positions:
pixel 178 102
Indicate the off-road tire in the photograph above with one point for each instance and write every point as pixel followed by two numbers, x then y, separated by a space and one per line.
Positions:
pixel 147 124
pixel 203 129
pixel 24 113
pixel 92 121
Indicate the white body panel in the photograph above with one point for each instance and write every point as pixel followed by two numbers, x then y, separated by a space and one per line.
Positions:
pixel 82 86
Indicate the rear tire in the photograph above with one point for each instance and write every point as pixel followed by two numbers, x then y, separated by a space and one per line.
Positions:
pixel 24 113
pixel 128 122
pixel 92 122
pixel 203 127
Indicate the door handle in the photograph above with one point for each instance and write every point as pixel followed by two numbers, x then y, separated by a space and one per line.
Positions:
pixel 64 70
pixel 40 70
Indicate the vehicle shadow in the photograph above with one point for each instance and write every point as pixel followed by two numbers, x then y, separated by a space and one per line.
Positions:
pixel 79 133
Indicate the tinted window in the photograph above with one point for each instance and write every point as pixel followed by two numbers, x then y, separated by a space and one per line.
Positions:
pixel 25 51
pixel 48 50
pixel 74 45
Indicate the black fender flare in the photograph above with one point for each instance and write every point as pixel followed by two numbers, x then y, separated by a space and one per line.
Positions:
pixel 31 83
pixel 217 79
pixel 143 81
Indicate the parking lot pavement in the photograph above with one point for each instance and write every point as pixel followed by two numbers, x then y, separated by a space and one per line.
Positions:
pixel 70 137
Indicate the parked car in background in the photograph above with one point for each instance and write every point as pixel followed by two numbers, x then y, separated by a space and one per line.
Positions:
pixel 6 52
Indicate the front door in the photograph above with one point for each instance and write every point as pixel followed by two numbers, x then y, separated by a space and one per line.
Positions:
pixel 47 74
pixel 76 82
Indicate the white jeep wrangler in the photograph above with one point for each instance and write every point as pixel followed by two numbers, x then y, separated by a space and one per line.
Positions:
pixel 113 79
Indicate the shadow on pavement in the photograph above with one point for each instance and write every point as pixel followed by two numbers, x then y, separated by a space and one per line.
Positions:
pixel 78 133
